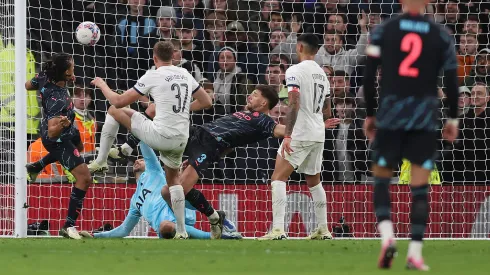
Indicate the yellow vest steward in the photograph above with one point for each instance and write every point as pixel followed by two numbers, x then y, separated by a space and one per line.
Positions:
pixel 7 90
pixel 87 129
pixel 404 178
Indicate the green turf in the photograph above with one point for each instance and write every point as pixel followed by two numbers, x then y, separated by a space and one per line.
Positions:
pixel 152 257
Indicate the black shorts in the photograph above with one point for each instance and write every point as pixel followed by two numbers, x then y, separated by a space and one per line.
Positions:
pixel 202 149
pixel 391 146
pixel 66 151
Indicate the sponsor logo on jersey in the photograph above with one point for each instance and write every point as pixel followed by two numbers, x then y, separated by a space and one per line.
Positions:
pixel 140 84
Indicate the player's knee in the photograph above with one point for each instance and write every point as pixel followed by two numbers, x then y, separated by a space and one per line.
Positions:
pixel 111 110
pixel 279 177
pixel 167 229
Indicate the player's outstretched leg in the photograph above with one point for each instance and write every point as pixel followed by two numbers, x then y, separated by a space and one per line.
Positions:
pixel 420 213
pixel 33 169
pixel 382 208
pixel 320 203
pixel 177 201
pixel 107 137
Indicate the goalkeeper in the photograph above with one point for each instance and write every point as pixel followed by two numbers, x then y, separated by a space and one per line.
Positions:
pixel 148 203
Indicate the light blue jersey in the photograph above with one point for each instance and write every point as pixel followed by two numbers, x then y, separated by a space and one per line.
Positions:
pixel 147 202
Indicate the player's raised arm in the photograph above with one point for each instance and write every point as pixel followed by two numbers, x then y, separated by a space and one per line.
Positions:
pixel 118 100
pixel 151 160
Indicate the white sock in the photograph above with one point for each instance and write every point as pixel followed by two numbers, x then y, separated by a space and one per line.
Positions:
pixel 320 203
pixel 415 250
pixel 126 149
pixel 279 201
pixel 214 218
pixel 107 137
pixel 386 229
pixel 177 199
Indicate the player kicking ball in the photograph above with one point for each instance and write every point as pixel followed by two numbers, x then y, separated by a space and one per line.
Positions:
pixel 148 203
pixel 411 50
pixel 171 88
pixel 302 147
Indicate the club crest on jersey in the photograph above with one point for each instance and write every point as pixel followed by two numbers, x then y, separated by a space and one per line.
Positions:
pixel 256 114
pixel 76 153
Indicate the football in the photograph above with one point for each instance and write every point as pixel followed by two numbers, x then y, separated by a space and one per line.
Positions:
pixel 88 33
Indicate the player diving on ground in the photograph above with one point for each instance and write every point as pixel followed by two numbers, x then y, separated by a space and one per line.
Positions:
pixel 148 203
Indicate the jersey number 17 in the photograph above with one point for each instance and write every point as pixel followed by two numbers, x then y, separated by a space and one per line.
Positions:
pixel 411 44
pixel 318 90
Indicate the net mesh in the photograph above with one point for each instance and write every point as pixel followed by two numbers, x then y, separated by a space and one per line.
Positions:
pixel 262 35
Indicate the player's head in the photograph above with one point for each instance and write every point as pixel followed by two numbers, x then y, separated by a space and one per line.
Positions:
pixel 167 229
pixel 308 45
pixel 262 99
pixel 60 68
pixel 163 52
pixel 414 5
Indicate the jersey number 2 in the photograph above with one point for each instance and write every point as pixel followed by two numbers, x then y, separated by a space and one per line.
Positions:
pixel 411 44
pixel 180 107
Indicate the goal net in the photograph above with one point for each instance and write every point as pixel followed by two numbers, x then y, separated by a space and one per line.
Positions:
pixel 230 46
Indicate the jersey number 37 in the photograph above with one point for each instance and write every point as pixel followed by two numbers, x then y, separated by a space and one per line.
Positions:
pixel 411 44
pixel 178 88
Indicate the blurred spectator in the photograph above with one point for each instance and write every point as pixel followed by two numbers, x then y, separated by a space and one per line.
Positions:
pixel 481 71
pixel 282 59
pixel 231 86
pixel 472 25
pixel 288 48
pixel 84 120
pixel 276 21
pixel 179 61
pixel 166 20
pixel 360 93
pixel 340 85
pixel 338 23
pixel 452 16
pixel 334 54
pixel 374 16
pixel 214 35
pixel 475 133
pixel 279 113
pixel 275 76
pixel 194 10
pixel 192 50
pixel 248 57
pixel 468 48
pixel 129 30
pixel 464 101
pixel 276 37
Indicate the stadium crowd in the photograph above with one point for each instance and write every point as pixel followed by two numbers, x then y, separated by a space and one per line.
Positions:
pixel 230 46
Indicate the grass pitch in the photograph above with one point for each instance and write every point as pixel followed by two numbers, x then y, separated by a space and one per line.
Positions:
pixel 139 256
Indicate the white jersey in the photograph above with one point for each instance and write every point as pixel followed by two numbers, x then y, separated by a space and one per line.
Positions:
pixel 171 88
pixel 309 79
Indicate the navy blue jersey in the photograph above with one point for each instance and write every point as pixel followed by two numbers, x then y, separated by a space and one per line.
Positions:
pixel 241 128
pixel 56 102
pixel 412 51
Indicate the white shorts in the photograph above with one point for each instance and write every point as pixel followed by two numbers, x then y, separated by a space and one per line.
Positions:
pixel 306 158
pixel 171 150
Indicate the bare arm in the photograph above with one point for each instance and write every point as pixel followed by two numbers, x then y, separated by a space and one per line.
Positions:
pixel 279 131
pixel 327 109
pixel 292 115
pixel 119 101
pixel 202 100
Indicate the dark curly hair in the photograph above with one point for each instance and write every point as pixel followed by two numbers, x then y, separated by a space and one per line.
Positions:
pixel 56 67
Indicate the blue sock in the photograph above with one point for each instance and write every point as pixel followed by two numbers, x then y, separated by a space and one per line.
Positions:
pixel 195 233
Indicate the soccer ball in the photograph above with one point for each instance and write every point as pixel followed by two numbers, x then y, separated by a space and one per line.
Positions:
pixel 88 33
